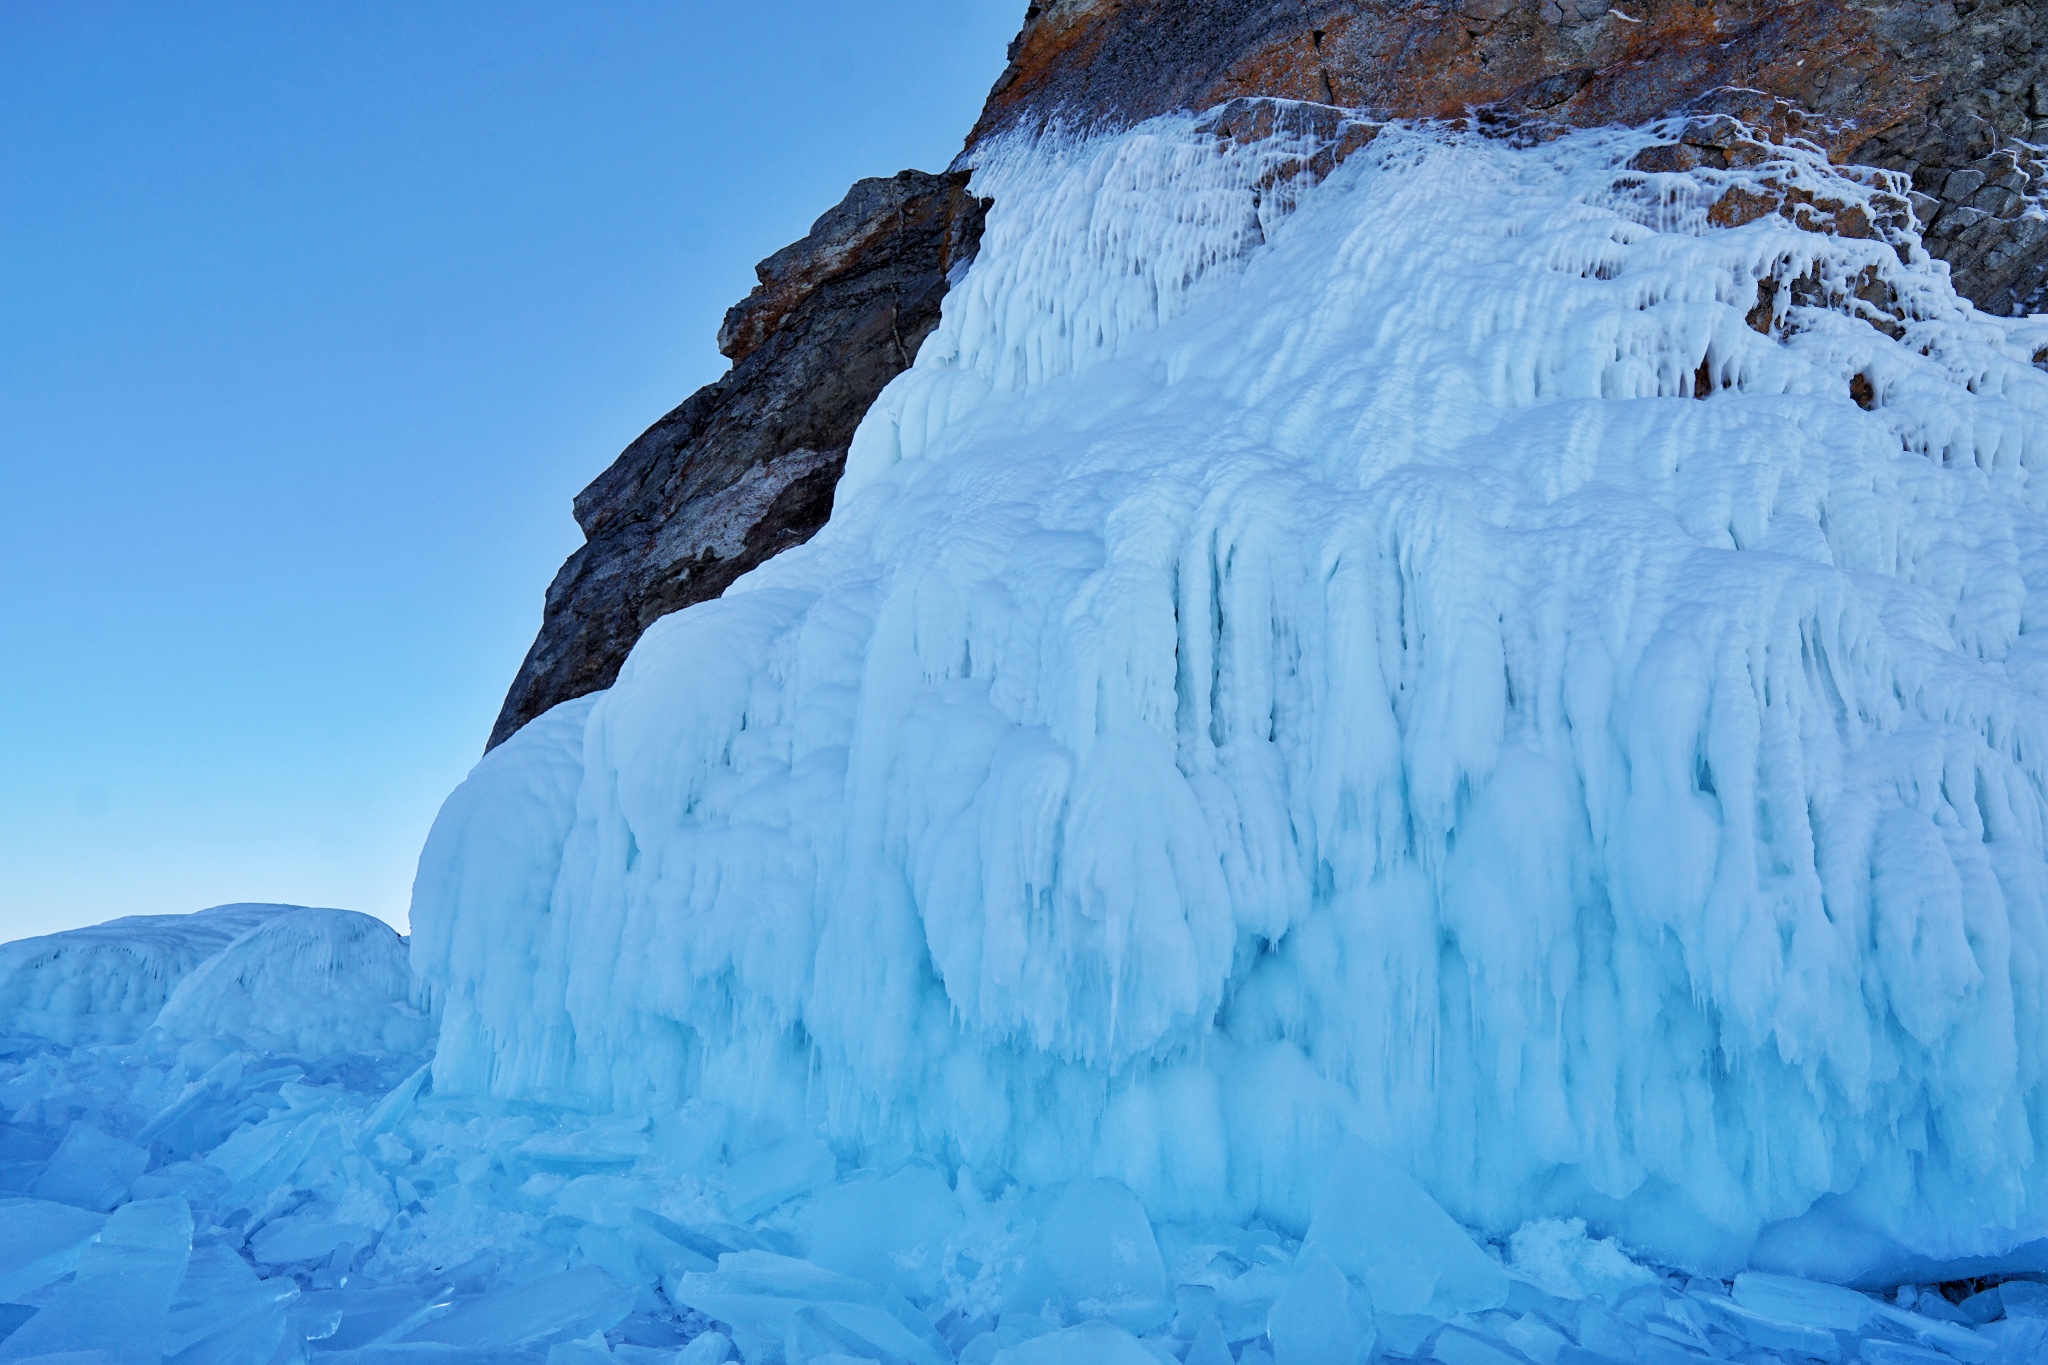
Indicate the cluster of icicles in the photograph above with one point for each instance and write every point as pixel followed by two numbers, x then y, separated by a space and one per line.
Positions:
pixel 1466 654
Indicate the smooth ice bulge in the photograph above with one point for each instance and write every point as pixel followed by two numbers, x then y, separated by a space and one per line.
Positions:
pixel 1468 655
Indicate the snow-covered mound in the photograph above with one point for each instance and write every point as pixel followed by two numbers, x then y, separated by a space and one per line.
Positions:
pixel 1498 654
pixel 308 983
pixel 106 982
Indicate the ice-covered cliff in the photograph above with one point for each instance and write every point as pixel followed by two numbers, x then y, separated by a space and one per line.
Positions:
pixel 1411 737
pixel 1953 96
pixel 1526 650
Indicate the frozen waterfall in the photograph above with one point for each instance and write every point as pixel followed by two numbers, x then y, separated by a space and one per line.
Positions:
pixel 1470 655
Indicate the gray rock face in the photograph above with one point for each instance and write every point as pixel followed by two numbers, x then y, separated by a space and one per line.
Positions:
pixel 1953 93
pixel 746 466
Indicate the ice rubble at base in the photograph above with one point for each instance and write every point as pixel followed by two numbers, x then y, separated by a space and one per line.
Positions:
pixel 1306 769
pixel 352 1216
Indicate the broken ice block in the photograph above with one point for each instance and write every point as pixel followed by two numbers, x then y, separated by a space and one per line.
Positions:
pixel 775 1175
pixel 1879 1351
pixel 90 1169
pixel 891 1231
pixel 1772 1334
pixel 559 1307
pixel 1456 1346
pixel 1988 1306
pixel 1952 1338
pixel 305 1237
pixel 2019 1340
pixel 223 1313
pixel 1377 1225
pixel 1209 1347
pixel 118 1301
pixel 713 1348
pixel 1096 1343
pixel 1535 1339
pixel 592 1350
pixel 2023 1299
pixel 1318 1320
pixel 1791 1299
pixel 760 1294
pixel 1096 1238
pixel 42 1244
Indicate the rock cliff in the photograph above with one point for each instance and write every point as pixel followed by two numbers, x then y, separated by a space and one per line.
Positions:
pixel 745 466
pixel 1954 95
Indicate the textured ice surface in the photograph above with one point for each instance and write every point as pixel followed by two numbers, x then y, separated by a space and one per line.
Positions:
pixel 345 1213
pixel 1315 798
pixel 105 983
pixel 1485 662
pixel 309 983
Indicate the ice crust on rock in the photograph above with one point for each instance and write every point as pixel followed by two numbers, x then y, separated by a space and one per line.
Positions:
pixel 1315 801
pixel 1486 661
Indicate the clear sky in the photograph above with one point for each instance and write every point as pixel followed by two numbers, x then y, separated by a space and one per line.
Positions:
pixel 313 319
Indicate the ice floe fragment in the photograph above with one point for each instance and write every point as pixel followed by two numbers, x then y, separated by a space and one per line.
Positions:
pixel 119 1300
pixel 1791 1299
pixel 42 1243
pixel 559 1307
pixel 1320 1319
pixel 1098 1343
pixel 1375 1223
pixel 1100 1245
pixel 760 1294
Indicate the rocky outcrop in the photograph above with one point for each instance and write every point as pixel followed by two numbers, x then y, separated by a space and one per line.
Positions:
pixel 746 466
pixel 1952 93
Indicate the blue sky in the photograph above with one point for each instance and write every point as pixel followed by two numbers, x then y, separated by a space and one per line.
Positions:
pixel 313 318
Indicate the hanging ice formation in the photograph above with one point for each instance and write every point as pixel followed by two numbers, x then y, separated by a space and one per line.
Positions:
pixel 1491 653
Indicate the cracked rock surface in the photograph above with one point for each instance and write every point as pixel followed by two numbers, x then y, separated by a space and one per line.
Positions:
pixel 746 465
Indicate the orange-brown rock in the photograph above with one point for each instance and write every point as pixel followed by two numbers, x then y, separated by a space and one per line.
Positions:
pixel 1928 87
pixel 1091 62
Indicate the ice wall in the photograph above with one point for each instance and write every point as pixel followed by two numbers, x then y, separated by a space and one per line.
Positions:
pixel 1470 654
